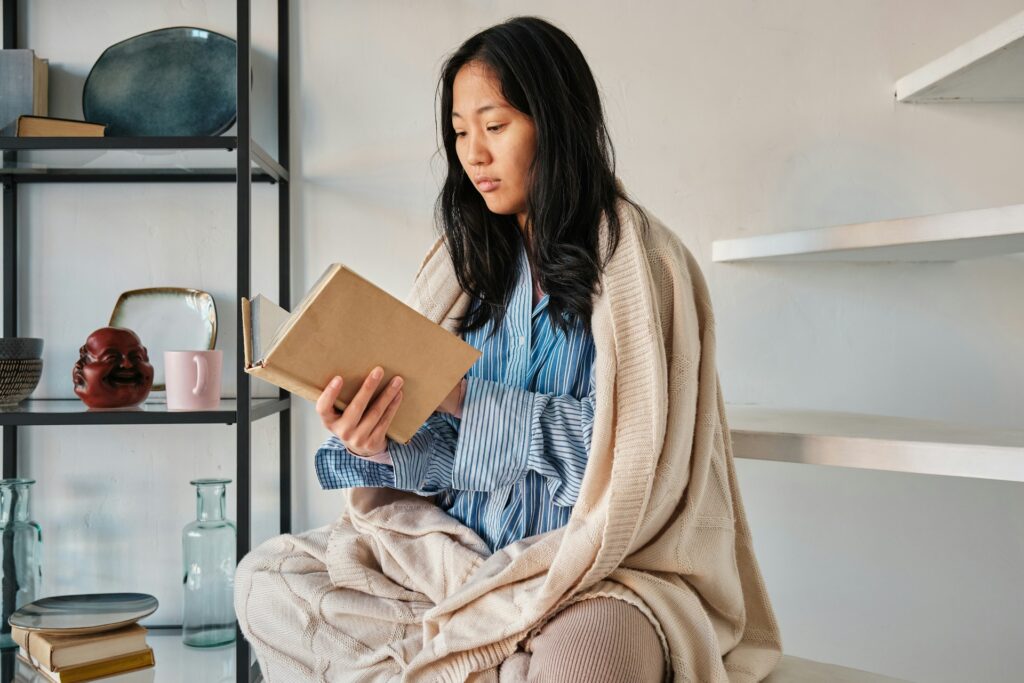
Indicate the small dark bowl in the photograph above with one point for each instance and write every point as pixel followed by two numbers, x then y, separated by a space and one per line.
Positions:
pixel 21 348
pixel 18 379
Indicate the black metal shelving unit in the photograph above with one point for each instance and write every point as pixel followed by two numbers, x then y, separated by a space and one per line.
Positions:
pixel 241 411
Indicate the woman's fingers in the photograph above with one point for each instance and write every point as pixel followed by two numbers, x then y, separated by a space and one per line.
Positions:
pixel 357 426
pixel 325 404
pixel 380 431
pixel 362 435
pixel 354 411
pixel 374 415
pixel 344 426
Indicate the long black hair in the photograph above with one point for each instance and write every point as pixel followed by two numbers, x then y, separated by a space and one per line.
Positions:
pixel 571 183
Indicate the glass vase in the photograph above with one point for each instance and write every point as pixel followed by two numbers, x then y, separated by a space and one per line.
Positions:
pixel 21 540
pixel 208 550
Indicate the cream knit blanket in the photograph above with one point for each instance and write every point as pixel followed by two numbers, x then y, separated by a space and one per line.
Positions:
pixel 417 596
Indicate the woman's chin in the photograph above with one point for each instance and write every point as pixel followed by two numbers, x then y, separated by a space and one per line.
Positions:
pixel 498 207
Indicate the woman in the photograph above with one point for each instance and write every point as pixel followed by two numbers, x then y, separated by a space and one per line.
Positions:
pixel 519 217
pixel 530 214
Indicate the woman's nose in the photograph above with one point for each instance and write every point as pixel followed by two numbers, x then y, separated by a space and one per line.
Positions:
pixel 478 153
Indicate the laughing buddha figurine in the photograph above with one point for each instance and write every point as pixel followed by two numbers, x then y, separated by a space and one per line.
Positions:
pixel 113 369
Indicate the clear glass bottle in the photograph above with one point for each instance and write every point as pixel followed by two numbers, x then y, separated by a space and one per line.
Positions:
pixel 21 552
pixel 208 550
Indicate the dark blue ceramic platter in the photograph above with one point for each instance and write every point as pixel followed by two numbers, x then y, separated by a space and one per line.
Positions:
pixel 173 81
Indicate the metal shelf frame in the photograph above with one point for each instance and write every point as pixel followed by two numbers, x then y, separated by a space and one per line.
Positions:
pixel 124 175
pixel 270 169
pixel 244 409
pixel 41 412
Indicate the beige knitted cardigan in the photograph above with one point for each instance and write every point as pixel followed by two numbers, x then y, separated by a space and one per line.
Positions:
pixel 658 522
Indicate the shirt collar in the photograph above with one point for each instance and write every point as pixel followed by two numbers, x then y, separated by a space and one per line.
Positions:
pixel 524 285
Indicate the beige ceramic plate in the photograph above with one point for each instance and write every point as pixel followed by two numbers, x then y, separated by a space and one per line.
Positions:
pixel 88 613
pixel 167 319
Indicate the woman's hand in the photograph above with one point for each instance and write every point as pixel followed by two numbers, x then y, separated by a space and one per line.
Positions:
pixel 363 430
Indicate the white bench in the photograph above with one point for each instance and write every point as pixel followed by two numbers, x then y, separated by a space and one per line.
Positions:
pixel 799 670
pixel 789 670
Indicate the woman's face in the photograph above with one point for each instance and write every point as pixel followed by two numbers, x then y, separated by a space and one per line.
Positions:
pixel 495 142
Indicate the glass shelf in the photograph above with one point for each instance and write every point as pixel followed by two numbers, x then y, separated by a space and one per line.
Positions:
pixel 71 411
pixel 209 159
pixel 228 142
pixel 175 663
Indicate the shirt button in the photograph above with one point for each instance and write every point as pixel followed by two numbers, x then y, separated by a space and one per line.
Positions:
pixel 522 340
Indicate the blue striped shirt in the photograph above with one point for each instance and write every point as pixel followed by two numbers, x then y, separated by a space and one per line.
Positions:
pixel 512 466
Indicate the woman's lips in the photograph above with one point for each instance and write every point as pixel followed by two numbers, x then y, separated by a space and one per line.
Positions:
pixel 488 185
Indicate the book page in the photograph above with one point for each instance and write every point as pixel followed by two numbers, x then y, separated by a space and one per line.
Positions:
pixel 267 319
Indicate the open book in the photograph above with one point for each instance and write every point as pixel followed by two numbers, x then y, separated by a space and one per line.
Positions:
pixel 346 325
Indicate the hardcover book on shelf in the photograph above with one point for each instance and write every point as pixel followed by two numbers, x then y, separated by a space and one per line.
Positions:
pixel 91 671
pixel 52 127
pixel 346 325
pixel 55 650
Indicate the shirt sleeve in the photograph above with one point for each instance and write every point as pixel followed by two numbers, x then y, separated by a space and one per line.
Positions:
pixel 422 466
pixel 504 432
pixel 507 431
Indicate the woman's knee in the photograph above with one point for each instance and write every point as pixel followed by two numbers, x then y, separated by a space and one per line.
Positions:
pixel 598 640
pixel 261 577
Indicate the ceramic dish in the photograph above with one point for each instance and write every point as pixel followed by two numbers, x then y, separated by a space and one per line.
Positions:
pixel 177 81
pixel 167 319
pixel 87 613
pixel 18 379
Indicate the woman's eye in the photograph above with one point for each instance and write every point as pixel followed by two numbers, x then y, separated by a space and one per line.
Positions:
pixel 496 128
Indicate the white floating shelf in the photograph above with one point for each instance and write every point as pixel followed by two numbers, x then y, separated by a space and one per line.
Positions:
pixel 938 237
pixel 875 442
pixel 985 69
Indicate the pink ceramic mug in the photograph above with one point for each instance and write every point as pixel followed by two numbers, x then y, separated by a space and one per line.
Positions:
pixel 193 379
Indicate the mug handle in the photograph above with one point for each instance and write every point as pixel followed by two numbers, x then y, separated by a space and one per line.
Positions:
pixel 201 372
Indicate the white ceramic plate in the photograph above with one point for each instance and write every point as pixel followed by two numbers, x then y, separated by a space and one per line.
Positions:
pixel 86 613
pixel 167 319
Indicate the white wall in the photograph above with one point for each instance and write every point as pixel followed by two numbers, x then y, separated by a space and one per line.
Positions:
pixel 730 118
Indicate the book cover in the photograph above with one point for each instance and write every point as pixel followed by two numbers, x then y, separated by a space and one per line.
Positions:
pixel 346 325
pixel 52 127
pixel 55 650
pixel 93 670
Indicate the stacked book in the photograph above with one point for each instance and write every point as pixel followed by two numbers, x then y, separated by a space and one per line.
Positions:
pixel 66 657
pixel 24 81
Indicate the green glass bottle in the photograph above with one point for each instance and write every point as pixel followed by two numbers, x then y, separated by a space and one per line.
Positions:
pixel 208 549
pixel 21 552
